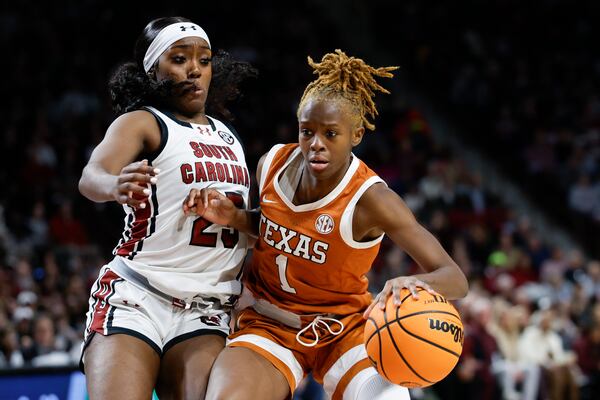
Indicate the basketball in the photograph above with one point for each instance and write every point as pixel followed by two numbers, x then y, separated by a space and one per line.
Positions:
pixel 416 344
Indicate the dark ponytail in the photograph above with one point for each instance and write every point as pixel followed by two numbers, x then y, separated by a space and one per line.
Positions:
pixel 228 74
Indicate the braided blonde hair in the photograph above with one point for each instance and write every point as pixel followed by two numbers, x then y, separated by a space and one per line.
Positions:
pixel 349 78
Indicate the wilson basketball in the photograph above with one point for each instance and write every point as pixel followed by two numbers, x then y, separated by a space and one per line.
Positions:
pixel 416 344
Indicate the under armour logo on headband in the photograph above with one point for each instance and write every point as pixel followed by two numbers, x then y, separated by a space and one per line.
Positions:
pixel 183 28
pixel 169 35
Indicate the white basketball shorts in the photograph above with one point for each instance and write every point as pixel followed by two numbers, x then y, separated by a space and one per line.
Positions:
pixel 119 306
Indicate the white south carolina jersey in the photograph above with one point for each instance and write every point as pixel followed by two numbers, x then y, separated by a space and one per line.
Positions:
pixel 188 256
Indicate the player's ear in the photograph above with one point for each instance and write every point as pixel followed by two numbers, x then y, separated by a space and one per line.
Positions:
pixel 357 135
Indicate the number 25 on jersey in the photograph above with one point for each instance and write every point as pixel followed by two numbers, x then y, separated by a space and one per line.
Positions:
pixel 229 236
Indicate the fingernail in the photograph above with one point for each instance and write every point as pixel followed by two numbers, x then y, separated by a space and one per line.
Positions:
pixel 156 170
pixel 153 180
pixel 143 205
pixel 147 192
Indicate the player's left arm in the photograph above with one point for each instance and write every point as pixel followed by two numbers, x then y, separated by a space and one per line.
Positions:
pixel 381 210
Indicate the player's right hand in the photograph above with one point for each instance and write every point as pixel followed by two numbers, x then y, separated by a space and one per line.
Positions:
pixel 133 184
pixel 211 205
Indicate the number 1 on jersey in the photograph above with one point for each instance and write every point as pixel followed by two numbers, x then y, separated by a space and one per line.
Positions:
pixel 281 262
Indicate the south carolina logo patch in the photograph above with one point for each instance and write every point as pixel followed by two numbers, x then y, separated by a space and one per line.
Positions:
pixel 324 224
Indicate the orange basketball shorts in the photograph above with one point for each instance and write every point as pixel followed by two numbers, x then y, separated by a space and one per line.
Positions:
pixel 338 362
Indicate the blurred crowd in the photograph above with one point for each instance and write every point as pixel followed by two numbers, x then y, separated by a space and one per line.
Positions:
pixel 532 316
pixel 522 82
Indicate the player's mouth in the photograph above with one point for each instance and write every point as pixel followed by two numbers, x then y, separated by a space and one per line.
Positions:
pixel 192 88
pixel 317 163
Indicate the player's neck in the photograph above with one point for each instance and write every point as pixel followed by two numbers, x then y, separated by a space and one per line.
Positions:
pixel 199 118
pixel 311 189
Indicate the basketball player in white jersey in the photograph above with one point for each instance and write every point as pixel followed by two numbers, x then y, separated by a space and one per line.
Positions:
pixel 158 312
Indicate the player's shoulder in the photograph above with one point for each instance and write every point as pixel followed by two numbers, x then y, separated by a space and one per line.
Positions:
pixel 137 125
pixel 377 200
pixel 375 193
pixel 136 119
pixel 381 206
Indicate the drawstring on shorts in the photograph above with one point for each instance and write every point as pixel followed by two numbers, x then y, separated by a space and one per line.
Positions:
pixel 319 321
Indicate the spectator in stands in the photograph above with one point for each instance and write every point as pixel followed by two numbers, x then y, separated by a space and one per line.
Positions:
pixel 65 228
pixel 10 355
pixel 475 378
pixel 513 369
pixel 587 348
pixel 583 196
pixel 45 351
pixel 38 225
pixel 591 279
pixel 542 346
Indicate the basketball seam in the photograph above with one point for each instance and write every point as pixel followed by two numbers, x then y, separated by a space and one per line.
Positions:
pixel 401 301
pixel 426 312
pixel 398 350
pixel 423 339
pixel 379 343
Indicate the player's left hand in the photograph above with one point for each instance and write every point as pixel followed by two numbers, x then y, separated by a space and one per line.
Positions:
pixel 210 205
pixel 394 287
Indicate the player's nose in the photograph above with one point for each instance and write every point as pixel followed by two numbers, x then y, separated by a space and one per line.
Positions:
pixel 316 143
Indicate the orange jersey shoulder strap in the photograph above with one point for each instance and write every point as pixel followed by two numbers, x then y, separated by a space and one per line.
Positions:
pixel 275 159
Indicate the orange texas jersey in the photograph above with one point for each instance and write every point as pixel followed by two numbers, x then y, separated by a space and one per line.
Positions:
pixel 306 260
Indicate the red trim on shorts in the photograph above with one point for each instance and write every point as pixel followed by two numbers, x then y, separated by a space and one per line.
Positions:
pixel 338 393
pixel 277 363
pixel 101 308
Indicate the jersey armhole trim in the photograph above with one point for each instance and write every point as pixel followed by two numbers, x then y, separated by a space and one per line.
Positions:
pixel 164 136
pixel 267 165
pixel 348 215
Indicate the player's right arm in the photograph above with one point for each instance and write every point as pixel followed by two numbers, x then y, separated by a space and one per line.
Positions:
pixel 217 208
pixel 112 174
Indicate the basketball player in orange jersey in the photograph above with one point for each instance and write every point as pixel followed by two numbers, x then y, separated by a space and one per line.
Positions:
pixel 158 313
pixel 323 214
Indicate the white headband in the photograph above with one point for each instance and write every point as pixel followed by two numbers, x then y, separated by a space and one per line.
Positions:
pixel 169 35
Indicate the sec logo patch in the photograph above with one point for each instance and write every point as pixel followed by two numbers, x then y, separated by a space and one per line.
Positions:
pixel 227 138
pixel 324 224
